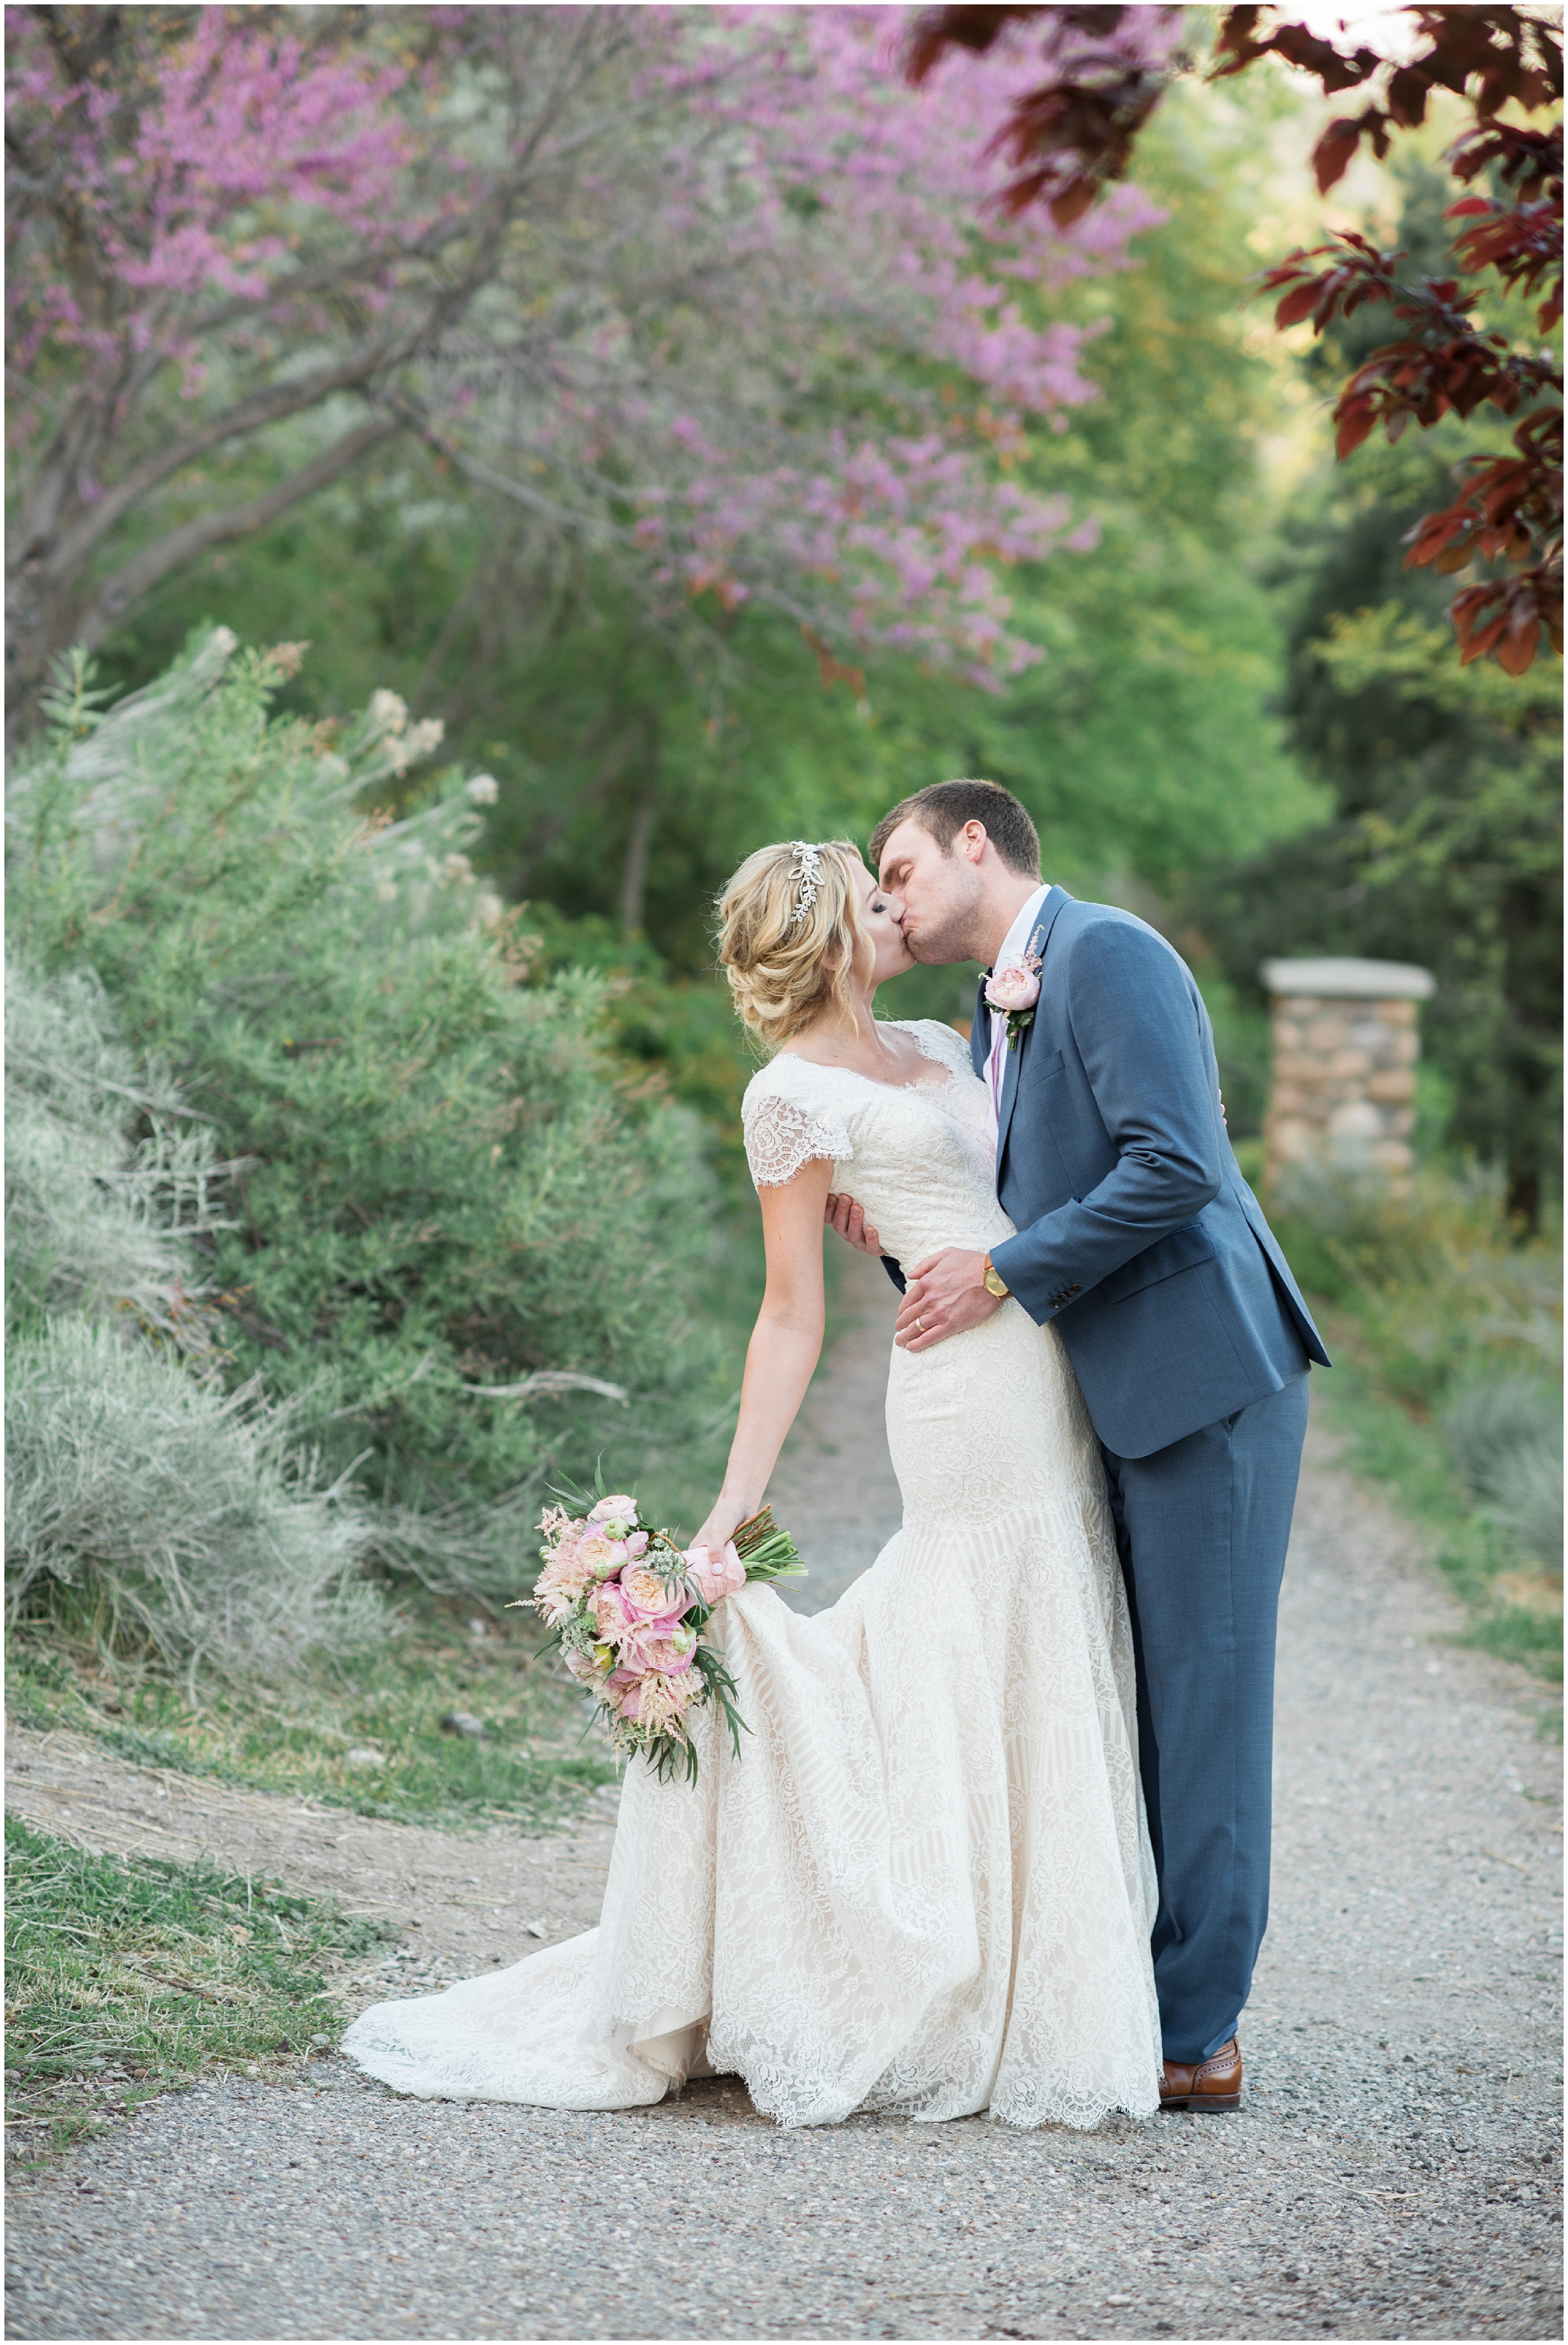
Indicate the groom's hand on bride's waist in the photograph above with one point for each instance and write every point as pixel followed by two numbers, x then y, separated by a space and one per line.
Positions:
pixel 843 1214
pixel 946 1293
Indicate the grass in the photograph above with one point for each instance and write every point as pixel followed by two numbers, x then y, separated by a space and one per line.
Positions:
pixel 363 1733
pixel 1422 1299
pixel 1407 1455
pixel 126 1975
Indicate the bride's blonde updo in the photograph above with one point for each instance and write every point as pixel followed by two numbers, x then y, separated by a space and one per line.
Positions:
pixel 790 935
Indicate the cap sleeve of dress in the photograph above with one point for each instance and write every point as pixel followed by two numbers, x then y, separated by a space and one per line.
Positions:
pixel 784 1133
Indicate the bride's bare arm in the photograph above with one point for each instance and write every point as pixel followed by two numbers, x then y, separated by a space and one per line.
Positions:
pixel 786 1346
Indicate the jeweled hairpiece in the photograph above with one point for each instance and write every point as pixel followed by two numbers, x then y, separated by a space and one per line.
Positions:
pixel 807 866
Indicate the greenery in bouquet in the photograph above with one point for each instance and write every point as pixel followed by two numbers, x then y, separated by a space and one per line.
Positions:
pixel 629 1608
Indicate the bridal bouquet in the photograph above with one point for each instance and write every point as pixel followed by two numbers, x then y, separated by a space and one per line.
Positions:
pixel 628 1607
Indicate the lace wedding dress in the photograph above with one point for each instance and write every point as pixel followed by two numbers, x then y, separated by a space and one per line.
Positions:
pixel 924 1884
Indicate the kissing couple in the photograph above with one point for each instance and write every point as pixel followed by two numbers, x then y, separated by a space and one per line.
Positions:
pixel 998 1837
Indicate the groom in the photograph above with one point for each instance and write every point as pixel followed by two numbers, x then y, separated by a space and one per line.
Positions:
pixel 1139 1240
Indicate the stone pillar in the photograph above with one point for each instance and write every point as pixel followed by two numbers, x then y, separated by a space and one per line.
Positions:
pixel 1345 1052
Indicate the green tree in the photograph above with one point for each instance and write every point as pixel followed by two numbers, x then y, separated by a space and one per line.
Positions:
pixel 1444 845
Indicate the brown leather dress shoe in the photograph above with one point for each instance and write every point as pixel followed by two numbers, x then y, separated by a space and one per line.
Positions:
pixel 1211 2084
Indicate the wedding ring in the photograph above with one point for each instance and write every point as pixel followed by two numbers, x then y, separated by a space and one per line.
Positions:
pixel 920 1326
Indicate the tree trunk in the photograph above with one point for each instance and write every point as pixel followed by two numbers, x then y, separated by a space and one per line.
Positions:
pixel 634 870
pixel 48 613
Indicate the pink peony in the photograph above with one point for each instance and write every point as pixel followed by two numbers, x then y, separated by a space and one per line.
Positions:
pixel 603 1557
pixel 620 1509
pixel 1014 986
pixel 669 1655
pixel 611 1617
pixel 717 1577
pixel 650 1603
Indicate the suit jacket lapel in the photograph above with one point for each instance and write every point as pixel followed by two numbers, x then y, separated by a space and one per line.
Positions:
pixel 1040 936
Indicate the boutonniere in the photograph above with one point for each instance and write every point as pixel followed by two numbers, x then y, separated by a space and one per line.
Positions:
pixel 1015 988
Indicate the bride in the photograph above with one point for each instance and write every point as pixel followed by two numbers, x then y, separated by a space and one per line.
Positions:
pixel 925 1883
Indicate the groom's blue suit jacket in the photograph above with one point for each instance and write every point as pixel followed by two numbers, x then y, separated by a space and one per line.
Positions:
pixel 1136 1235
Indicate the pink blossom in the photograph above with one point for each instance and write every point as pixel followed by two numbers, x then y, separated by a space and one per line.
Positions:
pixel 620 1509
pixel 264 209
pixel 650 1604
pixel 562 1583
pixel 659 1702
pixel 1015 986
pixel 615 1624
pixel 669 1655
pixel 604 1558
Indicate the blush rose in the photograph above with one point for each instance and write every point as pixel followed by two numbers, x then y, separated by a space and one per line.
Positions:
pixel 1014 987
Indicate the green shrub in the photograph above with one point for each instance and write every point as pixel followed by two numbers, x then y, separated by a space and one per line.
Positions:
pixel 1447 1331
pixel 1505 1436
pixel 150 1510
pixel 1530 1505
pixel 1439 1288
pixel 145 1508
pixel 1490 1421
pixel 95 1219
pixel 463 1248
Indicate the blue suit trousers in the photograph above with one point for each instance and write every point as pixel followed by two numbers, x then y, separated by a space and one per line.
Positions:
pixel 1208 1520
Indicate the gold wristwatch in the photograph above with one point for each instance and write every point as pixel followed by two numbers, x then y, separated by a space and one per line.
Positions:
pixel 994 1282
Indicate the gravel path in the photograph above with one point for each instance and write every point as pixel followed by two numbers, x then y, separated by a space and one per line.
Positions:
pixel 1394 2174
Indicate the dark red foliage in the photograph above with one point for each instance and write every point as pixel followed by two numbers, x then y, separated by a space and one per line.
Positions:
pixel 1490 57
pixel 1078 130
pixel 1074 133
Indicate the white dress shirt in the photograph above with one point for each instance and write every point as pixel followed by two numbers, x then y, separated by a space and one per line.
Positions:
pixel 1015 944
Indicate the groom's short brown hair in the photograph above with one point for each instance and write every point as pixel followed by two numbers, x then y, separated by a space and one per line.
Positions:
pixel 943 807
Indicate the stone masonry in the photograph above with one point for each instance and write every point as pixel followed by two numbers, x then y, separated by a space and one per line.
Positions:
pixel 1345 1052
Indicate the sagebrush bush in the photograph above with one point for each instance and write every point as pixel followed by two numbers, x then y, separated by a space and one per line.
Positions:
pixel 1531 1507
pixel 155 1513
pixel 145 1508
pixel 1441 1290
pixel 1461 1320
pixel 1489 1421
pixel 450 1195
pixel 94 1217
pixel 1505 1436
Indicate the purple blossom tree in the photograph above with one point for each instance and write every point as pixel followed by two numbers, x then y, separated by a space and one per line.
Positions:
pixel 712 289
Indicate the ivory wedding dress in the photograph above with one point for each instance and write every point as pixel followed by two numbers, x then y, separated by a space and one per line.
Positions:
pixel 925 1883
